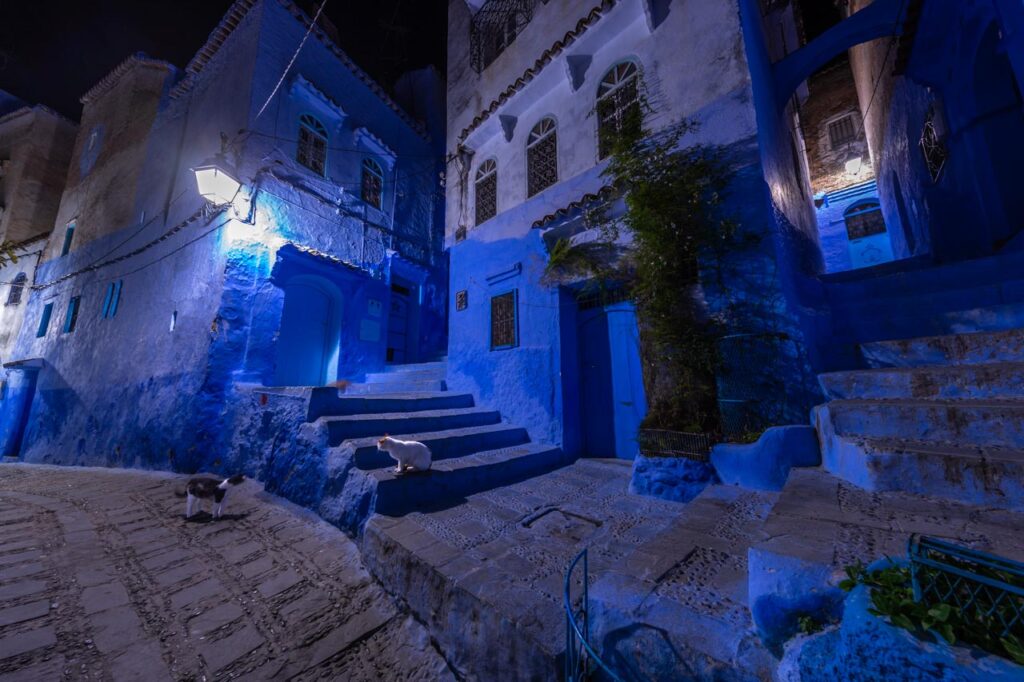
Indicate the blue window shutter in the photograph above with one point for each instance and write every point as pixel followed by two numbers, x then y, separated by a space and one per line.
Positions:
pixel 69 233
pixel 44 320
pixel 71 319
pixel 105 310
pixel 115 298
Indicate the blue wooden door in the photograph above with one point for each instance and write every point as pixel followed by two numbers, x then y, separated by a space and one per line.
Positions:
pixel 612 401
pixel 305 342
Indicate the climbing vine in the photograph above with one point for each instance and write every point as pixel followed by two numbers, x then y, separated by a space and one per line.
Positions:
pixel 669 236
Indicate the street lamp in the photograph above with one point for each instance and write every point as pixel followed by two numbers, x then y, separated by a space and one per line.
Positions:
pixel 216 181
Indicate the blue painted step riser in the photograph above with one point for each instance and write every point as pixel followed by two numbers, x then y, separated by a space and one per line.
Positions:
pixel 411 492
pixel 965 424
pixel 443 447
pixel 364 428
pixel 397 387
pixel 327 403
pixel 1004 380
pixel 404 377
pixel 441 366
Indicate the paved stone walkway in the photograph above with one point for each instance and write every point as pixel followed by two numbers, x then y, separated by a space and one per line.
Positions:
pixel 101 578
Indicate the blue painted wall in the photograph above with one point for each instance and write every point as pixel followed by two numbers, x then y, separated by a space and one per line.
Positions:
pixel 837 250
pixel 136 390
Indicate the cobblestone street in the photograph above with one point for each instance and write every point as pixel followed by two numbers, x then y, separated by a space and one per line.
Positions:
pixel 101 578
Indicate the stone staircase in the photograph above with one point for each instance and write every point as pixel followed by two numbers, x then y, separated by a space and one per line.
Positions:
pixel 941 416
pixel 473 450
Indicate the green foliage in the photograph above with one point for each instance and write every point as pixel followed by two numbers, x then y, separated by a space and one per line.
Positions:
pixel 808 624
pixel 892 596
pixel 8 253
pixel 673 199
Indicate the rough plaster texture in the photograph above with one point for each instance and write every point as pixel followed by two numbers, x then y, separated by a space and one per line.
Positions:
pixel 670 478
pixel 765 464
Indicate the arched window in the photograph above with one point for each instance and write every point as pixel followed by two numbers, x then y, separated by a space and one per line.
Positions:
pixel 542 156
pixel 486 191
pixel 373 183
pixel 312 144
pixel 864 219
pixel 618 106
pixel 17 288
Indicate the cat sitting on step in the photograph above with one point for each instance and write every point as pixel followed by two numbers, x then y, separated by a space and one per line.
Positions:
pixel 409 454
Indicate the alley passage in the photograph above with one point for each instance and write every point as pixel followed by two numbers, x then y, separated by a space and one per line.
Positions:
pixel 101 578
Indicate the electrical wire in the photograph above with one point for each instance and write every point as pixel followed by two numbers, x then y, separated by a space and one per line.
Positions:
pixel 291 62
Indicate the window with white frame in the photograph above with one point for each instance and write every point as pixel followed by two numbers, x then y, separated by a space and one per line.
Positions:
pixel 618 106
pixel 372 183
pixel 486 191
pixel 312 152
pixel 542 157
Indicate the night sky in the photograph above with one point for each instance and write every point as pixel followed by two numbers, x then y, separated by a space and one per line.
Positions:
pixel 53 51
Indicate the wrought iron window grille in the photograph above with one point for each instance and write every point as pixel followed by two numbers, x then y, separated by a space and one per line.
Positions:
pixel 841 131
pixel 486 191
pixel 372 183
pixel 933 147
pixel 863 220
pixel 495 26
pixel 504 329
pixel 618 105
pixel 312 150
pixel 17 289
pixel 542 157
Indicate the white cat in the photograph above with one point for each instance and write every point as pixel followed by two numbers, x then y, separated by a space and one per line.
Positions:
pixel 408 453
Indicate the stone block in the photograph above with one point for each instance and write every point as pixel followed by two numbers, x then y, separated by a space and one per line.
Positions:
pixel 765 465
pixel 670 478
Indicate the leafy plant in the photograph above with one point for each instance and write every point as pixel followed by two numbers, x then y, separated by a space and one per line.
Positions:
pixel 673 198
pixel 808 624
pixel 892 597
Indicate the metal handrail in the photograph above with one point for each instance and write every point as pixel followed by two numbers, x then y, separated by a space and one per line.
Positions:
pixel 579 654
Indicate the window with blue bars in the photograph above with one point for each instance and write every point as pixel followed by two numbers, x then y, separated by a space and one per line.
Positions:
pixel 44 320
pixel 71 318
pixel 111 299
pixel 504 330
pixel 69 234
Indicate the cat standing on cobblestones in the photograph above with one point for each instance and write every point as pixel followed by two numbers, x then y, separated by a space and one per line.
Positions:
pixel 408 453
pixel 199 489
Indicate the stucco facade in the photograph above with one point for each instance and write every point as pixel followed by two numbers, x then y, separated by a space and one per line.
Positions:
pixel 163 304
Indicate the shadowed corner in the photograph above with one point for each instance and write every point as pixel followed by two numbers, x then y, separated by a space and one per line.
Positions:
pixel 206 517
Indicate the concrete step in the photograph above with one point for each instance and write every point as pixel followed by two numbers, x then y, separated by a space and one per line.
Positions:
pixel 406 376
pixel 325 402
pixel 987 423
pixel 986 476
pixel 821 524
pixel 991 380
pixel 443 444
pixel 955 349
pixel 436 365
pixel 454 478
pixel 376 425
pixel 404 386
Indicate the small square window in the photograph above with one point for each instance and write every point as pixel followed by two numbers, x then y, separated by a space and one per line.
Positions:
pixel 841 132
pixel 71 318
pixel 504 328
pixel 44 320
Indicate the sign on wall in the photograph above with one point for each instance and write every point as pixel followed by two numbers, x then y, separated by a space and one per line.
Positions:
pixel 461 299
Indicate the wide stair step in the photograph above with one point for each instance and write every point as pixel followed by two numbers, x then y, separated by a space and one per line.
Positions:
pixel 402 386
pixel 442 444
pixel 418 375
pixel 954 349
pixel 454 478
pixel 989 423
pixel 970 381
pixel 332 402
pixel 367 425
pixel 435 365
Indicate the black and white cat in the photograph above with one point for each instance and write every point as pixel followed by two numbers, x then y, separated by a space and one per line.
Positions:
pixel 199 489
pixel 409 454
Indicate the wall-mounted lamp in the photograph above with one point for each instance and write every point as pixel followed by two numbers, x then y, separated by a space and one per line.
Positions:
pixel 217 181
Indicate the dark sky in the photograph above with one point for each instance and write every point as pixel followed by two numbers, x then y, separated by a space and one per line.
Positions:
pixel 53 51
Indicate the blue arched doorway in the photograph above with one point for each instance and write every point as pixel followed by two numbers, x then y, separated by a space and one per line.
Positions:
pixel 308 343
